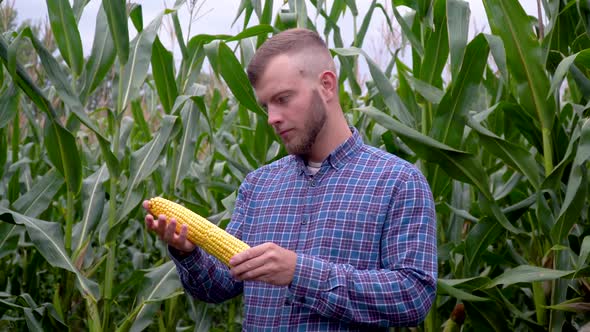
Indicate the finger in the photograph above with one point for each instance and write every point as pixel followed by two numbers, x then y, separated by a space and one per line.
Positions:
pixel 146 205
pixel 260 273
pixel 160 226
pixel 149 222
pixel 183 235
pixel 239 270
pixel 248 254
pixel 169 231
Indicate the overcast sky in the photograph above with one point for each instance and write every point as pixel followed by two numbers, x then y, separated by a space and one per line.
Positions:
pixel 217 16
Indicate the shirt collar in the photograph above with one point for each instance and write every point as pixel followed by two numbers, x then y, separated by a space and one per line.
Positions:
pixel 337 158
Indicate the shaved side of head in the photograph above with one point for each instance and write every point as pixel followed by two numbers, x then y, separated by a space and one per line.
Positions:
pixel 307 49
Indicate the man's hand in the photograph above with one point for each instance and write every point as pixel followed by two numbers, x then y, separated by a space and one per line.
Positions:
pixel 166 231
pixel 267 262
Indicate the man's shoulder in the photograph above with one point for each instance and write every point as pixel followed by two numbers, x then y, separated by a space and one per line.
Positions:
pixel 382 157
pixel 274 169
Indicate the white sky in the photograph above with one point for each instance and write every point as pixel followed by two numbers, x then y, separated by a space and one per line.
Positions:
pixel 217 16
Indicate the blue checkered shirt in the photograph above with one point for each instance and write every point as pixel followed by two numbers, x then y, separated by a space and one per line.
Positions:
pixel 364 232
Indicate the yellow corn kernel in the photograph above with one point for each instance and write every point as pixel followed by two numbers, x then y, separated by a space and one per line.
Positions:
pixel 201 231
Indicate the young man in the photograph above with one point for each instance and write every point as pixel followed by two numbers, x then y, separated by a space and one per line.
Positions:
pixel 343 235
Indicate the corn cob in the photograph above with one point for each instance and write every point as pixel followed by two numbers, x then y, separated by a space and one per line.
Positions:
pixel 201 231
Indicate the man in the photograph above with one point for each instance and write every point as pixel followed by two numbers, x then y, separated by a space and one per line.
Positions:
pixel 342 234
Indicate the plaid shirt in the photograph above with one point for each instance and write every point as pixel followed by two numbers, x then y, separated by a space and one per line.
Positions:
pixel 364 232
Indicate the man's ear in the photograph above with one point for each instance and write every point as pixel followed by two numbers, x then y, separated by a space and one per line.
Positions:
pixel 329 85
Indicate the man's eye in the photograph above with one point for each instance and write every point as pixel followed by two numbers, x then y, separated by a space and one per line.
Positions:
pixel 283 99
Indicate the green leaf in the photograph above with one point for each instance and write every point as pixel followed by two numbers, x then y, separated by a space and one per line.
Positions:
pixel 136 69
pixel 526 64
pixel 578 305
pixel 564 67
pixel 408 33
pixel 577 188
pixel 301 10
pixel 186 147
pixel 360 35
pixel 145 160
pixel 437 49
pixel 584 252
pixel 78 8
pixel 458 13
pixel 48 238
pixel 458 164
pixel 24 81
pixel 63 153
pixel 37 200
pixel 392 100
pixel 527 273
pixel 93 198
pixel 449 118
pixel 431 93
pixel 116 11
pixel 65 30
pixel 163 71
pixel 459 294
pixel 499 54
pixel 136 16
pixel 179 37
pixel 160 284
pixel 487 316
pixel 8 105
pixel 225 63
pixel 481 236
pixel 513 155
pixel 9 236
pixel 101 57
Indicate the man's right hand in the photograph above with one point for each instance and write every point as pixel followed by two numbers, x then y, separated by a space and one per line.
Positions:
pixel 167 231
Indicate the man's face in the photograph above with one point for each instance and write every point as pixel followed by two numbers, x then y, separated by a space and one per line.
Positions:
pixel 295 109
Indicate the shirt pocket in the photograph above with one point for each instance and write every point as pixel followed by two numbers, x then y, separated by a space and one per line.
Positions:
pixel 348 238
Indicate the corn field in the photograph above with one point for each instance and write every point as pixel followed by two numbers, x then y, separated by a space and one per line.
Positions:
pixel 497 121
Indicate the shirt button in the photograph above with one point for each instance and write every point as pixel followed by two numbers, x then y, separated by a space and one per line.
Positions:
pixel 313 183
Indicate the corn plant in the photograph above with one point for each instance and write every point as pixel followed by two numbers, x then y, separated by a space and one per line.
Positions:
pixel 498 123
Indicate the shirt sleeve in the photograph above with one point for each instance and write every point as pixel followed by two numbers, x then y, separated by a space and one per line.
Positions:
pixel 202 275
pixel 399 294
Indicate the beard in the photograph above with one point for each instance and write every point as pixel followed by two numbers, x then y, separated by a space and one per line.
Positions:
pixel 314 124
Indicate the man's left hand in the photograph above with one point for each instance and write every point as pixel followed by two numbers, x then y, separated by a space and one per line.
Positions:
pixel 267 262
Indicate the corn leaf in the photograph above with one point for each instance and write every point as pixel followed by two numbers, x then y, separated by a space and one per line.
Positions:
pixel 116 12
pixel 577 188
pixel 458 13
pixel 224 62
pixel 163 72
pixel 437 49
pixel 459 294
pixel 101 57
pixel 185 150
pixel 8 105
pixel 449 118
pixel 93 198
pixel 513 155
pixel 524 58
pixel 63 153
pixel 41 195
pixel 159 284
pixel 67 36
pixel 136 69
pixel 527 273
pixel 392 100
pixel 48 238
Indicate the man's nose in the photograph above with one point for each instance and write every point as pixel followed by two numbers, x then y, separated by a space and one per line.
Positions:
pixel 274 117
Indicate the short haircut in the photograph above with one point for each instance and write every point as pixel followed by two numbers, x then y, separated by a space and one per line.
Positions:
pixel 287 42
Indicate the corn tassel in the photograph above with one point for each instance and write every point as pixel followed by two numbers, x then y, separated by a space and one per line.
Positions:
pixel 201 231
